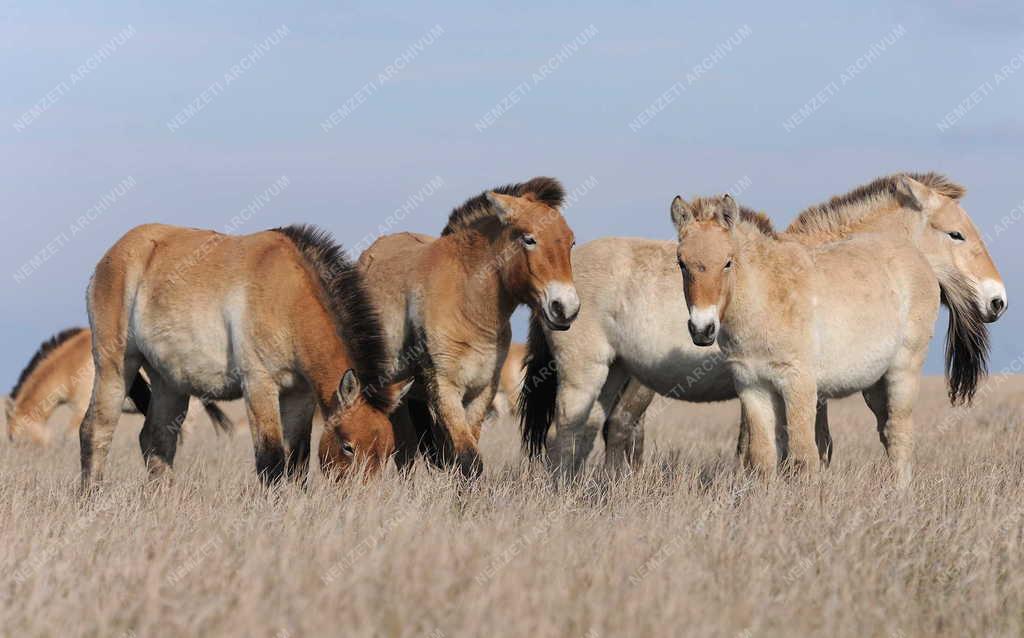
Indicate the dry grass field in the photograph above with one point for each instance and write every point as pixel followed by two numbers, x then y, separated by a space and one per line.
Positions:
pixel 685 547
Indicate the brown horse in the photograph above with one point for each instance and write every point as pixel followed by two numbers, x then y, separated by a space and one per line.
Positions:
pixel 61 373
pixel 281 318
pixel 446 305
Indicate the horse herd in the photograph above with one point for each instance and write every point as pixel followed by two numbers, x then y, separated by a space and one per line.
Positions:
pixel 402 351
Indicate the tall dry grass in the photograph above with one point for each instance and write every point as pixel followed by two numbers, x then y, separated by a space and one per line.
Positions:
pixel 684 547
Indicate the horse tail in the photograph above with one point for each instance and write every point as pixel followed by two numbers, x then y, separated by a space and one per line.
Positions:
pixel 539 390
pixel 222 423
pixel 141 394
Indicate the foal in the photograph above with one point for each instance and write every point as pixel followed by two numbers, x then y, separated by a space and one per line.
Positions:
pixel 280 318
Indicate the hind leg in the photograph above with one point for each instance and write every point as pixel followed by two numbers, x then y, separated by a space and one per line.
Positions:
pixel 297 410
pixel 624 429
pixel 822 435
pixel 165 417
pixel 262 406
pixel 114 372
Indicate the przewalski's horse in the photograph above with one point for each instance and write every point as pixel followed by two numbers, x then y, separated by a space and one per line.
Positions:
pixel 627 331
pixel 628 335
pixel 61 373
pixel 446 305
pixel 800 321
pixel 281 318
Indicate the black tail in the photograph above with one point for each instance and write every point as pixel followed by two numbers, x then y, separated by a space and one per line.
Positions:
pixel 539 391
pixel 140 394
pixel 222 423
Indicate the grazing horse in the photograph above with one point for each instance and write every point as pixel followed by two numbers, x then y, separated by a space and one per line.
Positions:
pixel 281 318
pixel 61 373
pixel 446 304
pixel 800 321
pixel 626 346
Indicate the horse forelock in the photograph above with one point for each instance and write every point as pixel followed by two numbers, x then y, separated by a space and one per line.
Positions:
pixel 546 190
pixel 839 213
pixel 967 340
pixel 45 349
pixel 706 208
pixel 355 318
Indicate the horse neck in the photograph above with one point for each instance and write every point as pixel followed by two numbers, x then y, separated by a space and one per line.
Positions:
pixel 756 252
pixel 322 356
pixel 889 220
pixel 483 253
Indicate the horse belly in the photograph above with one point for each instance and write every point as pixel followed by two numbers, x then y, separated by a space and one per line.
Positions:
pixel 850 365
pixel 668 362
pixel 192 351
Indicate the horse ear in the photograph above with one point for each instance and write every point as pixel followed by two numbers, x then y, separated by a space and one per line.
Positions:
pixel 728 212
pixel 682 214
pixel 348 389
pixel 398 392
pixel 913 193
pixel 505 205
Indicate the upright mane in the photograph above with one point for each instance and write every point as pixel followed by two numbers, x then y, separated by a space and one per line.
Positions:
pixel 546 190
pixel 839 213
pixel 355 318
pixel 45 349
pixel 705 209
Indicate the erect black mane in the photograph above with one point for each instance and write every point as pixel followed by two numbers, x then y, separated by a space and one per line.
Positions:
pixel 355 318
pixel 547 190
pixel 45 348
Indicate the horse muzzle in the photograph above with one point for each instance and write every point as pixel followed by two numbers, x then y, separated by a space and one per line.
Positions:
pixel 561 306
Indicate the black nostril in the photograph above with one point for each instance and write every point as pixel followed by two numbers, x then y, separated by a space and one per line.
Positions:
pixel 709 331
pixel 692 328
pixel 557 309
pixel 998 304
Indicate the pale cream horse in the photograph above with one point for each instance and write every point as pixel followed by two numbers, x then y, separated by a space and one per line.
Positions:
pixel 446 305
pixel 281 318
pixel 61 373
pixel 626 346
pixel 798 322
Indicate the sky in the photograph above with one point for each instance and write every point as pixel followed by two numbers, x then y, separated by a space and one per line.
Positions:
pixel 366 119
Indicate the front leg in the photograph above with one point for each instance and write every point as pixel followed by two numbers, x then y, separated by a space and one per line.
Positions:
pixel 263 409
pixel 757 404
pixel 800 394
pixel 447 403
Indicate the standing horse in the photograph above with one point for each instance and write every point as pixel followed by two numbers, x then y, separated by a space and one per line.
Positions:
pixel 626 346
pixel 280 318
pixel 446 304
pixel 627 331
pixel 798 321
pixel 61 373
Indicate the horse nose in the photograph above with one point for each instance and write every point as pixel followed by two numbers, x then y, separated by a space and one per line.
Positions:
pixel 701 335
pixel 998 306
pixel 563 304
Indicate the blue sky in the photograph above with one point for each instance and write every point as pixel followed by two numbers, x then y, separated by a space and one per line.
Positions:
pixel 417 120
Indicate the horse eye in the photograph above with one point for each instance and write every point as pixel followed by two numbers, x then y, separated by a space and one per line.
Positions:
pixel 347 449
pixel 957 236
pixel 728 264
pixel 529 240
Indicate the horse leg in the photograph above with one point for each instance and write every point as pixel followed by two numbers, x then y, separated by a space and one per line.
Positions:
pixel 297 409
pixel 757 404
pixel 115 370
pixel 406 438
pixel 161 429
pixel 262 406
pixel 822 435
pixel 892 401
pixel 624 429
pixel 461 444
pixel 800 394
pixel 578 418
